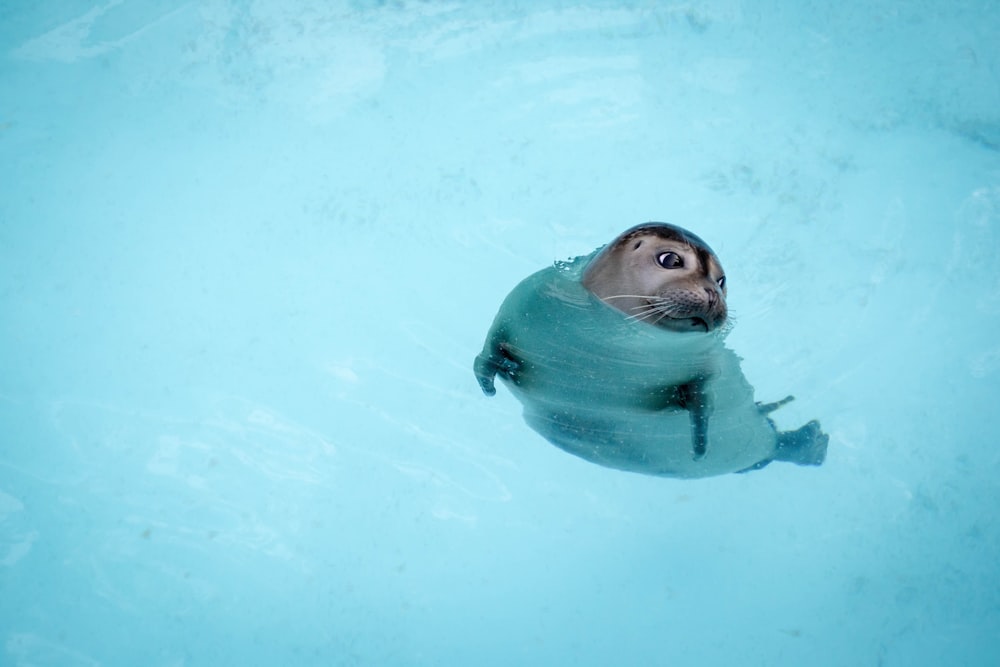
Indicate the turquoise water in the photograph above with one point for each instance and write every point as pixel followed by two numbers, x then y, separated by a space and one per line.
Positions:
pixel 249 250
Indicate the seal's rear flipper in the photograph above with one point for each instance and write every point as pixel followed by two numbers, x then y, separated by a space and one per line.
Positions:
pixel 805 446
pixel 768 408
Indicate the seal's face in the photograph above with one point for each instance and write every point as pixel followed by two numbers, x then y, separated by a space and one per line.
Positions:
pixel 661 274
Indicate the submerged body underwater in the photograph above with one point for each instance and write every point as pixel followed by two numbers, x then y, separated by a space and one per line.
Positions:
pixel 649 388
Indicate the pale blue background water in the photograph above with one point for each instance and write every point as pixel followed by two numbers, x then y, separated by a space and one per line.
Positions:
pixel 248 251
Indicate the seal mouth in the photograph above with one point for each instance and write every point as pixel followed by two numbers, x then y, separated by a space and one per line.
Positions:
pixel 700 323
pixel 684 324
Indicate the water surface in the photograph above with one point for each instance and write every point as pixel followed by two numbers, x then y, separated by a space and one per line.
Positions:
pixel 248 251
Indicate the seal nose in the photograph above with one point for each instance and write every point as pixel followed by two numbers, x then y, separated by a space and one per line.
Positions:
pixel 716 314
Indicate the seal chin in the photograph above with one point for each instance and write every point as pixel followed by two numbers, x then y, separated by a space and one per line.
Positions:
pixel 686 324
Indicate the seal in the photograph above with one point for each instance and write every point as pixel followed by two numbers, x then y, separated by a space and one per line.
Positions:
pixel 618 357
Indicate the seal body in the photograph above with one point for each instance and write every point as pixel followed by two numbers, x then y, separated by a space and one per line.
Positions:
pixel 622 392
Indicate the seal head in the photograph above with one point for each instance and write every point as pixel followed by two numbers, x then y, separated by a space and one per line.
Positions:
pixel 661 274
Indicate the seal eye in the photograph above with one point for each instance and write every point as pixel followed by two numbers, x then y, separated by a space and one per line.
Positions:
pixel 722 282
pixel 670 260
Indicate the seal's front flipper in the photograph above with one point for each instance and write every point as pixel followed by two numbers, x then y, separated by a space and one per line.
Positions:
pixel 486 368
pixel 699 432
pixel 805 446
pixel 692 398
pixel 495 358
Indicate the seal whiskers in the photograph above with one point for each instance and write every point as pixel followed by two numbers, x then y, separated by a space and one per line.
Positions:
pixel 654 307
pixel 645 312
